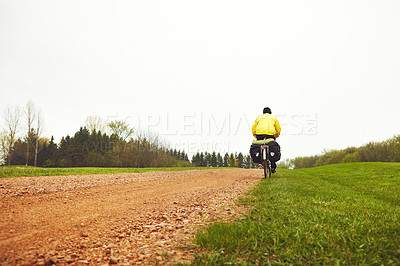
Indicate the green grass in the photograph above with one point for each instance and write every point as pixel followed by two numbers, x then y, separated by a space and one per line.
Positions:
pixel 18 171
pixel 337 214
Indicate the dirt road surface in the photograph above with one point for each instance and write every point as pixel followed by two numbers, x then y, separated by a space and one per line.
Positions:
pixel 147 218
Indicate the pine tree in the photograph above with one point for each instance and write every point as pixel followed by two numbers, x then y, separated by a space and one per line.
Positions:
pixel 50 156
pixel 202 162
pixel 240 160
pixel 220 161
pixel 213 159
pixel 247 161
pixel 196 159
pixel 207 159
pixel 226 160
pixel 232 160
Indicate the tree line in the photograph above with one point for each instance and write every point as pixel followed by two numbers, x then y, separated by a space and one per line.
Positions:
pixel 96 144
pixel 206 159
pixel 385 151
pixel 96 149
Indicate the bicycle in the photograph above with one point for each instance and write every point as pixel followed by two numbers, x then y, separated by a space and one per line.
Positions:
pixel 260 153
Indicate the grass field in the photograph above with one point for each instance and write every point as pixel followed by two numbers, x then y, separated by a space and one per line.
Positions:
pixel 18 171
pixel 337 214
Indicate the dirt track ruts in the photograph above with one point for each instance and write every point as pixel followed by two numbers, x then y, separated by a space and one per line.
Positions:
pixel 124 219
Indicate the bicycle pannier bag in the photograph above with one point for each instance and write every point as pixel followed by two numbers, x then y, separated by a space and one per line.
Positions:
pixel 255 153
pixel 274 151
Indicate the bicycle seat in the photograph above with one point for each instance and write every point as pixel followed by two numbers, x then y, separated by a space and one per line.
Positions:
pixel 264 141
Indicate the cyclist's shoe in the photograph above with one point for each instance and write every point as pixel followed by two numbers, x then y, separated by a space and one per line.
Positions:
pixel 273 171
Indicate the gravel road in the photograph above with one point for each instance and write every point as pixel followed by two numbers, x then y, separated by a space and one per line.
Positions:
pixel 124 219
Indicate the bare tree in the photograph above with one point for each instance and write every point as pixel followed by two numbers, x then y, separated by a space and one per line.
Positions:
pixel 39 131
pixel 12 117
pixel 3 147
pixel 30 116
pixel 95 123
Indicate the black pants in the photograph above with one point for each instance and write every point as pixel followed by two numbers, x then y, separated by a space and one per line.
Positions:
pixel 261 137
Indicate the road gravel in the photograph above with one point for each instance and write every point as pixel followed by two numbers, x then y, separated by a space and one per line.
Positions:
pixel 124 219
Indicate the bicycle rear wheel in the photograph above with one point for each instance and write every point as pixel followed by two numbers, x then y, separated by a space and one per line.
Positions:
pixel 267 169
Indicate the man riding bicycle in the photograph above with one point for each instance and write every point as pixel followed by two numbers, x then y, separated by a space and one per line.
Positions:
pixel 266 126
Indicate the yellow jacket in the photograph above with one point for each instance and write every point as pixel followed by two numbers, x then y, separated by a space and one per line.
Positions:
pixel 266 124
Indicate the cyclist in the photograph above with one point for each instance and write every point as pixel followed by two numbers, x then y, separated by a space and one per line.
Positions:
pixel 266 126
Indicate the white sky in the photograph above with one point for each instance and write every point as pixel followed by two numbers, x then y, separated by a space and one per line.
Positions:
pixel 199 72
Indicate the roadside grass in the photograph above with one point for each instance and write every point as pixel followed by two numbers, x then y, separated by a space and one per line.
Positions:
pixel 335 214
pixel 19 171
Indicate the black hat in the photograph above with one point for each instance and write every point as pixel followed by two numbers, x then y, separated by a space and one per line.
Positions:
pixel 267 110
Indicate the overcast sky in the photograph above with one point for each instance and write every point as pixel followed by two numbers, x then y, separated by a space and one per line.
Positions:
pixel 200 72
